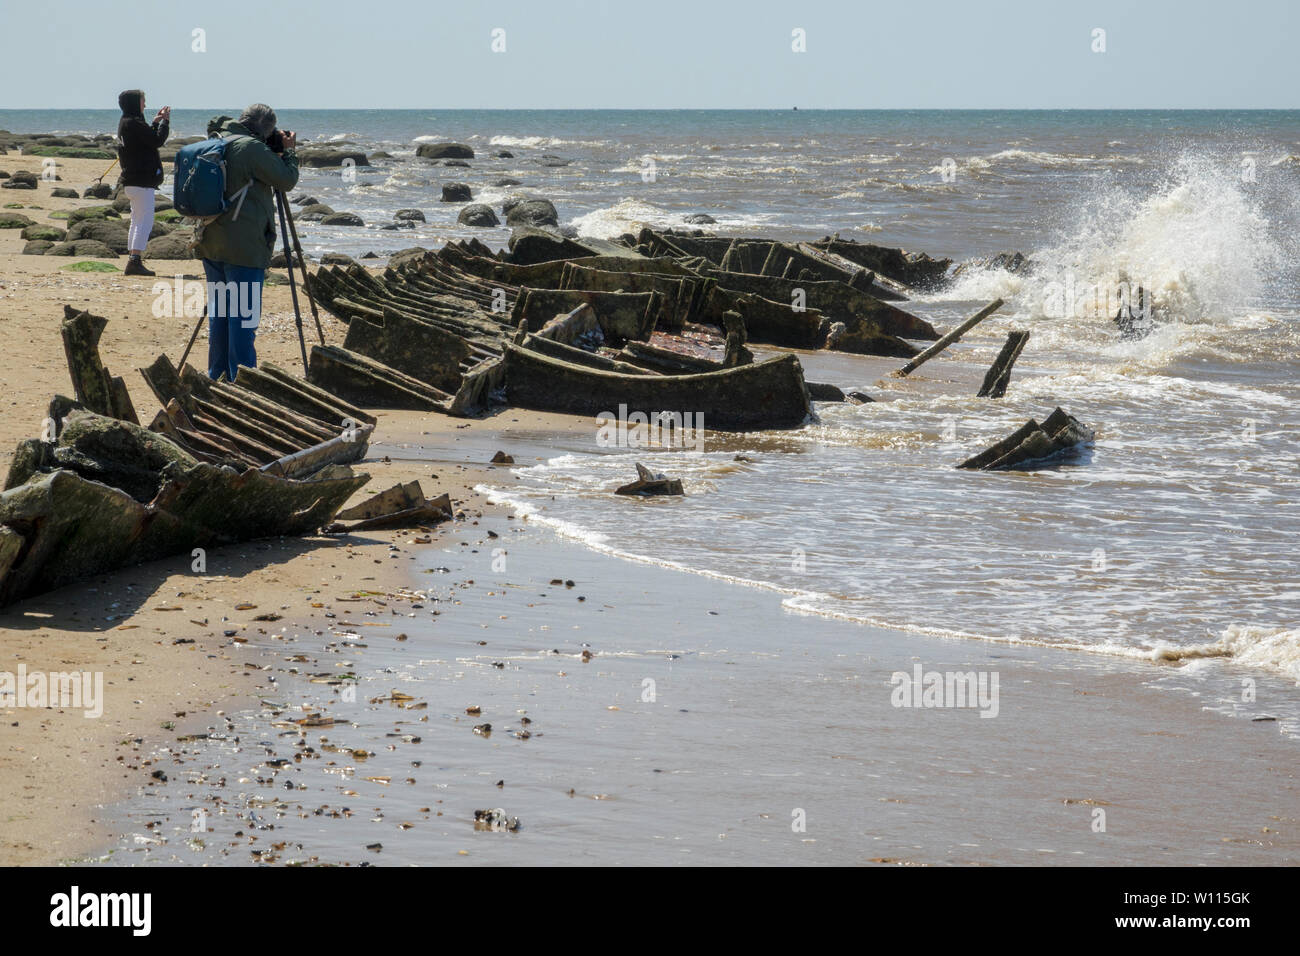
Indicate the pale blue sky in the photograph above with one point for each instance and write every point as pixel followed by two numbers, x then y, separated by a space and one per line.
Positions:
pixel 658 54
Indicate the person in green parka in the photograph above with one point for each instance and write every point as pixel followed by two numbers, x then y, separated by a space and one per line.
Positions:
pixel 236 247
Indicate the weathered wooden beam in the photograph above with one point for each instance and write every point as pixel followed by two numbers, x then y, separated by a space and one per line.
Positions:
pixel 357 378
pixel 272 382
pixel 950 338
pixel 342 449
pixel 999 373
pixel 95 387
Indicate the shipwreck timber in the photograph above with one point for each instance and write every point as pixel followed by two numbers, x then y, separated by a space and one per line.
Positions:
pixel 767 394
pixel 1032 445
pixel 436 332
pixel 220 463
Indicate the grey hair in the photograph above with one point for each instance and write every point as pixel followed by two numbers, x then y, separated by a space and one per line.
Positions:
pixel 259 120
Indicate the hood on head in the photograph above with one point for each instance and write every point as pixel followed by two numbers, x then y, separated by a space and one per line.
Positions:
pixel 131 102
pixel 217 125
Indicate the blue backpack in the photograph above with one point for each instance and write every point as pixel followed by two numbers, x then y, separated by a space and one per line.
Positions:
pixel 200 188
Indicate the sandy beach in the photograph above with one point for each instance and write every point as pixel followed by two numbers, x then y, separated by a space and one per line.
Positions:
pixel 630 723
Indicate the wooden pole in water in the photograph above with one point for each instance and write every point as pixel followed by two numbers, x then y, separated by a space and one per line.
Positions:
pixel 948 339
pixel 999 373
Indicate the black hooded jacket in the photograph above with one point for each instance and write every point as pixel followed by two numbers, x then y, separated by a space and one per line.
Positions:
pixel 138 143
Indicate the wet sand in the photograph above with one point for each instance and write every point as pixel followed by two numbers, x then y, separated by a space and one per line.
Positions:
pixel 703 722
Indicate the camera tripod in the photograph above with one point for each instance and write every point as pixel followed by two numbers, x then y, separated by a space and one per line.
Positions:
pixel 287 229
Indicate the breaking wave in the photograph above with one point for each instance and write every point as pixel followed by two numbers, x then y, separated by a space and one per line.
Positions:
pixel 1199 242
pixel 539 142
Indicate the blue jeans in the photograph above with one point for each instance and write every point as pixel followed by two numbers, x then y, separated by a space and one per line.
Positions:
pixel 234 311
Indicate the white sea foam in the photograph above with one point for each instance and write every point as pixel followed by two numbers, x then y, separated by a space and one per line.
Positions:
pixel 542 142
pixel 1199 243
pixel 1269 649
pixel 630 215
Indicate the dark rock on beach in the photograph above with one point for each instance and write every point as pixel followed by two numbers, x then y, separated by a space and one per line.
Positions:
pixel 37 247
pixel 337 259
pixel 504 154
pixel 92 212
pixel 444 151
pixel 14 220
pixel 478 214
pixel 98 191
pixel 90 248
pixel 398 224
pixel 111 232
pixel 63 192
pixel 42 231
pixel 415 215
pixel 456 192
pixel 174 245
pixel 455 162
pixel 700 219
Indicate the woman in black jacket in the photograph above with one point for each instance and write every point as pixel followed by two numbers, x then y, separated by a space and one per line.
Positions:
pixel 142 170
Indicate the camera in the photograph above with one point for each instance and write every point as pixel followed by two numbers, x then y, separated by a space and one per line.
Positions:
pixel 276 140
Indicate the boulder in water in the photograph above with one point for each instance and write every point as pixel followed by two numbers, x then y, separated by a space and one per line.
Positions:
pixel 532 212
pixel 444 151
pixel 342 219
pixel 313 213
pixel 456 192
pixel 478 214
pixel 315 158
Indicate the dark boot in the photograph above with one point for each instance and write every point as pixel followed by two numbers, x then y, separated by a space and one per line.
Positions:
pixel 135 267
